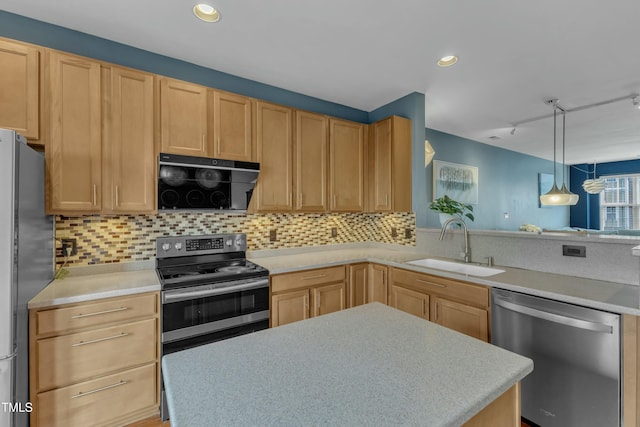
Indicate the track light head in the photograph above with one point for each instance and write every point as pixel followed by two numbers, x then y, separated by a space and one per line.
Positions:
pixel 636 101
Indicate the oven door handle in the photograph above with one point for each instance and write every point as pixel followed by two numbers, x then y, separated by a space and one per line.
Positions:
pixel 174 296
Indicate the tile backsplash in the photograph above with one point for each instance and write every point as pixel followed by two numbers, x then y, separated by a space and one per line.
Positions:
pixel 109 239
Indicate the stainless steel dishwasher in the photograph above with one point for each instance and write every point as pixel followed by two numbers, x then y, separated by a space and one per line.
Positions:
pixel 576 379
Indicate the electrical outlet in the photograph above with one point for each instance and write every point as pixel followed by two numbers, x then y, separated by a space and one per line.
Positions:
pixel 334 232
pixel 273 235
pixel 394 232
pixel 407 233
pixel 69 247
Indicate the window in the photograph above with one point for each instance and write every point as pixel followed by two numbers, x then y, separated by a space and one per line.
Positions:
pixel 620 203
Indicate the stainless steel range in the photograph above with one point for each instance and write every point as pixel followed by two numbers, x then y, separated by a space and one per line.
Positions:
pixel 210 291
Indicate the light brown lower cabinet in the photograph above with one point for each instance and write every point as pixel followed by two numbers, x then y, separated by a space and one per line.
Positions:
pixel 457 305
pixel 367 283
pixel 300 295
pixel 95 363
pixel 502 412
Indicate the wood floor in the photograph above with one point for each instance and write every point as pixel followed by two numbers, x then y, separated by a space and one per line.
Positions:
pixel 151 422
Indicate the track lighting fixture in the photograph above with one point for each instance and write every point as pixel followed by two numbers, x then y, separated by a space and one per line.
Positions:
pixel 636 101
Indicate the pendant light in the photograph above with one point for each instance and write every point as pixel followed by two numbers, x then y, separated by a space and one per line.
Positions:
pixel 554 197
pixel 595 185
pixel 573 198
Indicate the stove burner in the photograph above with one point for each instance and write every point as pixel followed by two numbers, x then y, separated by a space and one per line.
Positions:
pixel 233 269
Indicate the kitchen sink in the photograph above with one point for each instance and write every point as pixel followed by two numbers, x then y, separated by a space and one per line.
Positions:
pixel 457 267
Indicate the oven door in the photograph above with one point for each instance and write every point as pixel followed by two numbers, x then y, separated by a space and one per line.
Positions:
pixel 203 310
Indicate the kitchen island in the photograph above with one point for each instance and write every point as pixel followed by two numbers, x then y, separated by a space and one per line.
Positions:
pixel 369 365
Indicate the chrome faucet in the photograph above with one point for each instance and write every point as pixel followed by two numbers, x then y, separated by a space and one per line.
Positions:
pixel 467 251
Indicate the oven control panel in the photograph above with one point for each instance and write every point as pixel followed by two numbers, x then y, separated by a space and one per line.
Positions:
pixel 174 246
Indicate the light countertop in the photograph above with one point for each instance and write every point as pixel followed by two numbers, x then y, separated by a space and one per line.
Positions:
pixel 95 282
pixel 599 294
pixel 369 365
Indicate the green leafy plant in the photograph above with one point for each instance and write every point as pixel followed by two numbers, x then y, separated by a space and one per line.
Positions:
pixel 447 205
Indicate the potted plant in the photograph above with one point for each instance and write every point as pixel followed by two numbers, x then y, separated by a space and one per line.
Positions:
pixel 447 206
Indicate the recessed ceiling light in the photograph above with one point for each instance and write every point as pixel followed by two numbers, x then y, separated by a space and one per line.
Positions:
pixel 206 12
pixel 447 61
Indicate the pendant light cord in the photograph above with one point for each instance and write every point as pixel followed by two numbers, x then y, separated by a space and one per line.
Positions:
pixel 564 115
pixel 555 181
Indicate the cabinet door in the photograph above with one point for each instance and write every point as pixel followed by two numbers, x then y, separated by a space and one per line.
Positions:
pixel 346 166
pixel 358 283
pixel 129 160
pixel 19 93
pixel 73 151
pixel 232 126
pixel 380 160
pixel 377 284
pixel 463 318
pixel 410 301
pixel 329 298
pixel 311 153
pixel 274 146
pixel 183 118
pixel 289 307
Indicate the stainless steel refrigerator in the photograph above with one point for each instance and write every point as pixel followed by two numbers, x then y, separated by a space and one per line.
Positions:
pixel 26 266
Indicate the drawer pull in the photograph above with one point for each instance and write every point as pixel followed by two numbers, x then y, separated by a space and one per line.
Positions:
pixel 97 313
pixel 319 276
pixel 81 394
pixel 81 343
pixel 431 283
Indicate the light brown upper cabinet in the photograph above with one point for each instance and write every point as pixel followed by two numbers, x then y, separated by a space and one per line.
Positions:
pixel 311 152
pixel 231 126
pixel 183 118
pixel 389 165
pixel 19 88
pixel 346 166
pixel 273 128
pixel 129 182
pixel 73 154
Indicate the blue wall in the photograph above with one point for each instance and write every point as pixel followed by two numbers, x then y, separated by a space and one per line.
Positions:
pixel 508 182
pixel 586 213
pixel 44 34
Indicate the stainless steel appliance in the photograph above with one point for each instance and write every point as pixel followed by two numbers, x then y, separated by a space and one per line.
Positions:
pixel 201 183
pixel 26 266
pixel 576 380
pixel 210 291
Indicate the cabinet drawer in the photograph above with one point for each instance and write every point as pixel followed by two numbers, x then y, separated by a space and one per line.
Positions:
pixel 98 401
pixel 307 278
pixel 95 314
pixel 70 358
pixel 467 292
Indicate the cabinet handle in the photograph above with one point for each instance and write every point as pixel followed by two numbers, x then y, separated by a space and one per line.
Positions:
pixel 97 313
pixel 218 151
pixel 437 305
pixel 81 343
pixel 204 138
pixel 95 194
pixel 306 302
pixel 424 307
pixel 334 200
pixel 319 276
pixel 386 200
pixel 431 283
pixel 300 200
pixel 117 196
pixel 81 394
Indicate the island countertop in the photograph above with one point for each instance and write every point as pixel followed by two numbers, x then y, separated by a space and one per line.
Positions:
pixel 368 365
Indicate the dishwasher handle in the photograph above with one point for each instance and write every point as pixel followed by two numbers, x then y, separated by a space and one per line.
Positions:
pixel 557 318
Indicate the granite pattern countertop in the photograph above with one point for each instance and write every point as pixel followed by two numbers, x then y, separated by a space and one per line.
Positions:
pixel 95 282
pixel 599 294
pixel 369 365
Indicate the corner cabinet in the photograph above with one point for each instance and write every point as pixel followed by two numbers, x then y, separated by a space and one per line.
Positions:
pixel 183 118
pixel 300 295
pixel 95 363
pixel 274 127
pixel 19 88
pixel 457 305
pixel 347 174
pixel 73 153
pixel 389 165
pixel 367 283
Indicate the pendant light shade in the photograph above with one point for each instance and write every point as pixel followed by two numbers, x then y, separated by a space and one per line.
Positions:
pixel 595 185
pixel 558 196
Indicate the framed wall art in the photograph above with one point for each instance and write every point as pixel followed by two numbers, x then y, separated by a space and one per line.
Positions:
pixel 460 182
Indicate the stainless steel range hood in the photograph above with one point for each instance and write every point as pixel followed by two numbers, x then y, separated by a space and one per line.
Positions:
pixel 189 183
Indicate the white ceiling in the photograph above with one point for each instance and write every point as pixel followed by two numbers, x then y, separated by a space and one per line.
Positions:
pixel 514 55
